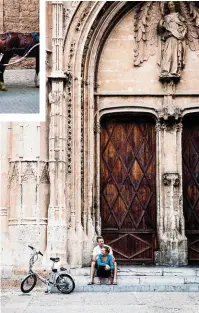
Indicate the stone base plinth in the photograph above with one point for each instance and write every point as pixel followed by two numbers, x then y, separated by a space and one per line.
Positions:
pixel 173 252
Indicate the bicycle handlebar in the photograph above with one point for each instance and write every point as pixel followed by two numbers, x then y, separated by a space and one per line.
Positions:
pixel 39 252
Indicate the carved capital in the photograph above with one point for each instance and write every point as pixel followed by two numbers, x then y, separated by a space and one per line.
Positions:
pixel 171 179
pixel 160 127
pixel 170 115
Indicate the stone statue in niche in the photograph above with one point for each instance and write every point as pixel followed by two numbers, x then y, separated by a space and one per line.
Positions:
pixel 165 29
pixel 172 29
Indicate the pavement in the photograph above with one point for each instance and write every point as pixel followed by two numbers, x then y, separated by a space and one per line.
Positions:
pixel 99 302
pixel 22 96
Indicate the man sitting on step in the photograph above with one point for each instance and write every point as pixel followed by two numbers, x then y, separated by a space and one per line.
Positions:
pixel 96 252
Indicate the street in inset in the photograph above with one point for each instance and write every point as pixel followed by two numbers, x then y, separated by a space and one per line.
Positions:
pixel 22 96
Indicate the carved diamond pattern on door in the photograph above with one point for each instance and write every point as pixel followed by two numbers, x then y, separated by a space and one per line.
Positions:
pixel 190 160
pixel 128 199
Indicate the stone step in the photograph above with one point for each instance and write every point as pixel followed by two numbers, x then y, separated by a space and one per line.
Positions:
pixel 144 280
pixel 139 288
pixel 121 287
pixel 132 278
pixel 143 271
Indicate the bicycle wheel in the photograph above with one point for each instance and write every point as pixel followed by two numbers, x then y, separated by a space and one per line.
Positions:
pixel 28 283
pixel 65 283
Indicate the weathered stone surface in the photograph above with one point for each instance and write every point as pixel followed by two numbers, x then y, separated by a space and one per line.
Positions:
pixel 53 169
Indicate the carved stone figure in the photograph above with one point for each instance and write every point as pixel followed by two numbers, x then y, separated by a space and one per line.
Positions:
pixel 173 30
pixel 166 35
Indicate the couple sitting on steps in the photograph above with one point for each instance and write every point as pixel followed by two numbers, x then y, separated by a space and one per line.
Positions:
pixel 104 261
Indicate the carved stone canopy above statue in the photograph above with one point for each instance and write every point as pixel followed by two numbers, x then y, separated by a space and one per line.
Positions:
pixel 165 29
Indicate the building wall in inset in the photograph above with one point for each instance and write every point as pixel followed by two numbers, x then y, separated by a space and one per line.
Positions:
pixel 20 16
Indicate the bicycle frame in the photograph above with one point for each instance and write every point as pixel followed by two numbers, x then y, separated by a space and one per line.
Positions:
pixel 51 280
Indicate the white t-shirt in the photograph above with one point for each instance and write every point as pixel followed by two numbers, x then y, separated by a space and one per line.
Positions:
pixel 97 250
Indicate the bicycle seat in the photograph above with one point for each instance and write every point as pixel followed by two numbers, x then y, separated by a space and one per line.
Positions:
pixel 55 259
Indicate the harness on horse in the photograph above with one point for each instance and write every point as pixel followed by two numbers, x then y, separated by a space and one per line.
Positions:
pixel 3 39
pixel 5 36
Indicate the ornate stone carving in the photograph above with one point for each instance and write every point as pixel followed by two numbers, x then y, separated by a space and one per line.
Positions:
pixel 173 243
pixel 84 15
pixel 44 175
pixel 171 178
pixel 168 127
pixel 69 11
pixel 104 10
pixel 29 173
pixel 52 97
pixel 163 114
pixel 177 26
pixel 170 115
pixel 69 123
pixel 83 83
pixel 13 173
pixel 172 31
pixel 72 49
pixel 68 77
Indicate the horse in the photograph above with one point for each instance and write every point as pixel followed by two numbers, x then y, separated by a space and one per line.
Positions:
pixel 16 43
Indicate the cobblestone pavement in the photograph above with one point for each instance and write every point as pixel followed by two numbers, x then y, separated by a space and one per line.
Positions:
pixel 22 96
pixel 78 302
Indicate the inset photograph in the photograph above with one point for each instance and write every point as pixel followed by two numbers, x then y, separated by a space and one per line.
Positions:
pixel 19 56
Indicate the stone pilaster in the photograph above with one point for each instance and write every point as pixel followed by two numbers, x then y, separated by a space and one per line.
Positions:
pixel 57 215
pixel 57 39
pixel 57 223
pixel 170 219
pixel 28 191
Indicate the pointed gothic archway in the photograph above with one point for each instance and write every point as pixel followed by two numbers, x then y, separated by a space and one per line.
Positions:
pixel 128 187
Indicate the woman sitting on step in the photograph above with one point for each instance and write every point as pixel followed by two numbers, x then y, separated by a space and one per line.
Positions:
pixel 105 265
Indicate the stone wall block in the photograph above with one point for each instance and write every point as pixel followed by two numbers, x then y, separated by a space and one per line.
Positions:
pixel 20 16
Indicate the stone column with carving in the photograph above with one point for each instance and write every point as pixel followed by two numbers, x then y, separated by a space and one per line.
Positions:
pixel 57 216
pixel 170 219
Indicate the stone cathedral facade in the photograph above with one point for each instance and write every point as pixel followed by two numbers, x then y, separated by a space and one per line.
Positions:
pixel 118 154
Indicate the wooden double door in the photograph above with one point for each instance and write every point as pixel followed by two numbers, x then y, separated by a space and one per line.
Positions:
pixel 128 187
pixel 190 162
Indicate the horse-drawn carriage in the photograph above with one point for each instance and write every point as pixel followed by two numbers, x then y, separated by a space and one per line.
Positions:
pixel 18 44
